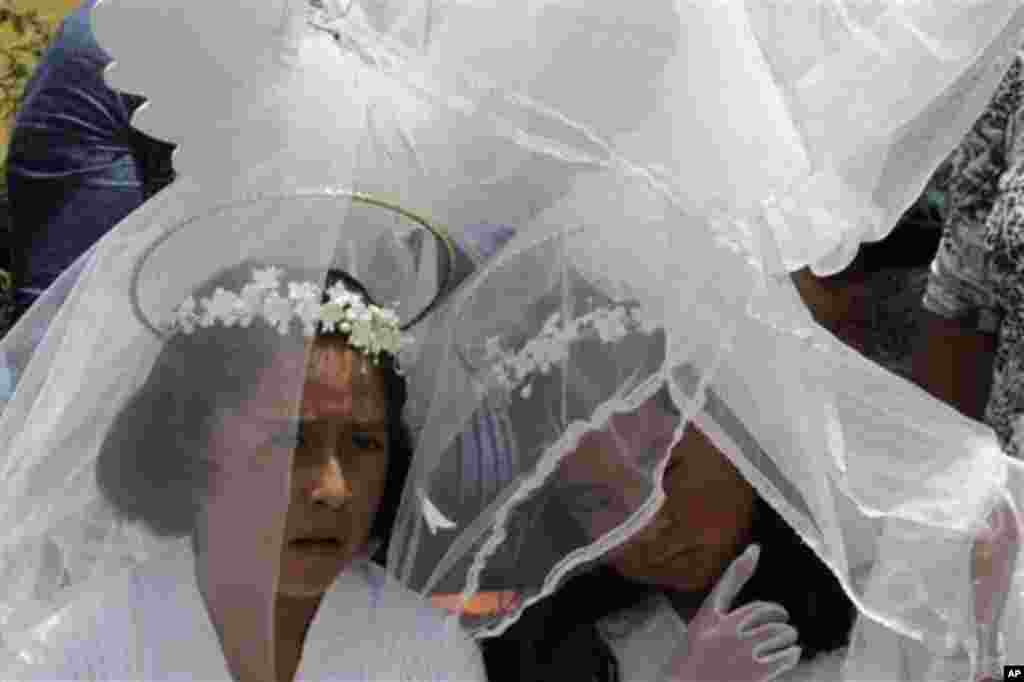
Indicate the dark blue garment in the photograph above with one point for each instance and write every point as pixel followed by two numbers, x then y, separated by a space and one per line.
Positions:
pixel 70 122
pixel 75 165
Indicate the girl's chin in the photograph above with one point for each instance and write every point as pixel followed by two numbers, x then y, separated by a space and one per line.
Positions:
pixel 302 591
pixel 303 586
pixel 684 577
pixel 684 585
pixel 310 574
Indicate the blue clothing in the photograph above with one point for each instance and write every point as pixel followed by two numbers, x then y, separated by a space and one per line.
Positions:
pixel 75 165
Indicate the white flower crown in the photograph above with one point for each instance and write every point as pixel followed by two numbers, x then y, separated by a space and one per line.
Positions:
pixel 509 369
pixel 370 328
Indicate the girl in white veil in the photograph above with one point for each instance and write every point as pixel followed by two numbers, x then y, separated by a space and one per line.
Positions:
pixel 663 166
pixel 206 449
pixel 644 325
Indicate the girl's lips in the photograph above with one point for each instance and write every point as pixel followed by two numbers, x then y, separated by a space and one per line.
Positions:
pixel 316 545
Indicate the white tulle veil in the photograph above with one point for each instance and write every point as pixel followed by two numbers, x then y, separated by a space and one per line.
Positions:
pixel 663 166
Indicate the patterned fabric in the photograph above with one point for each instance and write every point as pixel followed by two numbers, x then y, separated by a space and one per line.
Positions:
pixel 977 276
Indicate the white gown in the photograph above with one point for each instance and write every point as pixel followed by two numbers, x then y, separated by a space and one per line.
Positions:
pixel 645 636
pixel 153 625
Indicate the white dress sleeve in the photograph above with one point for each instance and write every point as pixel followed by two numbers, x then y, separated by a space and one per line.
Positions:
pixel 147 624
pixel 92 639
pixel 152 626
pixel 428 642
pixel 447 655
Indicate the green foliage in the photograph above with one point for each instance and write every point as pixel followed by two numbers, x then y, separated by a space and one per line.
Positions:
pixel 24 35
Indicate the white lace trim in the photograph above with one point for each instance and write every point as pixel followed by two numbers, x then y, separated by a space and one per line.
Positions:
pixel 510 369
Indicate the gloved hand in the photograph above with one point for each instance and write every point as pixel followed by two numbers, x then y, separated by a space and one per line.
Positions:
pixel 751 644
pixel 995 560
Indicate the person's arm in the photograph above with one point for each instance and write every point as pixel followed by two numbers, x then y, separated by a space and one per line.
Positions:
pixel 954 355
pixel 953 362
pixel 838 303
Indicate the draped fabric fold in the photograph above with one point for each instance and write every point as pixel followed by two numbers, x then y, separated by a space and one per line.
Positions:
pixel 656 211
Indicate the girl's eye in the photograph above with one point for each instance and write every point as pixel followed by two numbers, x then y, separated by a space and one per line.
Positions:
pixel 593 501
pixel 366 442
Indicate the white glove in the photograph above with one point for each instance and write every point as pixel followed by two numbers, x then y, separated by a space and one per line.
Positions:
pixel 751 644
pixel 995 562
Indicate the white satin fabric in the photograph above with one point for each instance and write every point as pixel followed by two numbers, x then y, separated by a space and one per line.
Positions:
pixel 368 629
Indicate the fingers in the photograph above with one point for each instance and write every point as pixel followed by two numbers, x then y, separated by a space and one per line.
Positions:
pixel 994 561
pixel 1004 525
pixel 733 580
pixel 780 662
pixel 772 638
pixel 756 614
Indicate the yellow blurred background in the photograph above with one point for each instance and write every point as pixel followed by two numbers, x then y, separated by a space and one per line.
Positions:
pixel 57 8
pixel 53 11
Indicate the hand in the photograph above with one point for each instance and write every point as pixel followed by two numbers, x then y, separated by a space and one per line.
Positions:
pixel 751 644
pixel 995 560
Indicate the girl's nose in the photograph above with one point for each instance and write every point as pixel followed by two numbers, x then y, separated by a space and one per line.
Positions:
pixel 328 485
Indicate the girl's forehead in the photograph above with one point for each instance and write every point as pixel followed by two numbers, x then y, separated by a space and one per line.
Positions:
pixel 331 379
pixel 629 442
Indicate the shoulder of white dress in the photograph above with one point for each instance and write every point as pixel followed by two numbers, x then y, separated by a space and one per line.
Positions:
pixel 386 590
pixel 824 666
pixel 367 592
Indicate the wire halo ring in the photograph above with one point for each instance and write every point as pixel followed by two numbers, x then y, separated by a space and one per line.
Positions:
pixel 439 233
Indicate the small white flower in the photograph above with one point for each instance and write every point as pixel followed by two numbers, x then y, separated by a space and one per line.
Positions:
pixel 278 312
pixel 221 306
pixel 304 291
pixel 250 303
pixel 331 314
pixel 611 326
pixel 267 278
pixel 308 324
pixel 336 290
pixel 359 313
pixel 308 312
pixel 337 293
pixel 361 335
pixel 185 315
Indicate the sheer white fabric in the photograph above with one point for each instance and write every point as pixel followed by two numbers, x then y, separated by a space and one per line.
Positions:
pixel 657 210
pixel 846 106
pixel 367 628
